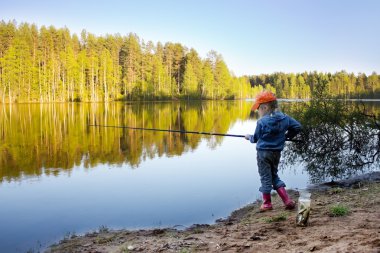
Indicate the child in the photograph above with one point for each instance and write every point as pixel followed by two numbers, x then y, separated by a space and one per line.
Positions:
pixel 272 129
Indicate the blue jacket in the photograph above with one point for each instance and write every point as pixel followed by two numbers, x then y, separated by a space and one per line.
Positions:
pixel 273 129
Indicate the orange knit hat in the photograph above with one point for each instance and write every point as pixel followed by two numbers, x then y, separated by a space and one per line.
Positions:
pixel 263 97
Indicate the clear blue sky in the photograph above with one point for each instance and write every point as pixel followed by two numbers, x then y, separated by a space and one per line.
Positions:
pixel 253 36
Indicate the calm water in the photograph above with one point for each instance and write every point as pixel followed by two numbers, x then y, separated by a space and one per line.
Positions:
pixel 59 176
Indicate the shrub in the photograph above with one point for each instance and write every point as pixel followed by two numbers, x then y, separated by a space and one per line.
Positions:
pixel 339 210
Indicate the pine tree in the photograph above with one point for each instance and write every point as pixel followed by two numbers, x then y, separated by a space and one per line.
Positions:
pixel 207 81
pixel 190 82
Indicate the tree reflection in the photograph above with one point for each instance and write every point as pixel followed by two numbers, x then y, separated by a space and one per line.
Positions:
pixel 50 138
pixel 339 138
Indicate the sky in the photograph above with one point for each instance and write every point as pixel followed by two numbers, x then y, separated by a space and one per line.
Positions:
pixel 254 37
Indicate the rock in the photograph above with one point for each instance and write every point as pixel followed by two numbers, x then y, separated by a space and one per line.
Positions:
pixel 354 182
pixel 87 244
pixel 255 238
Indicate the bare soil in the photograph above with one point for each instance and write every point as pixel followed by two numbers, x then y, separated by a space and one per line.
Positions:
pixel 248 230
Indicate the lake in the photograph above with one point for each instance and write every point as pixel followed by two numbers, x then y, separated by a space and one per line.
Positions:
pixel 59 176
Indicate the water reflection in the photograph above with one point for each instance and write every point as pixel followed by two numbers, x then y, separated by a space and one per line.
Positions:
pixel 38 139
pixel 41 138
pixel 339 138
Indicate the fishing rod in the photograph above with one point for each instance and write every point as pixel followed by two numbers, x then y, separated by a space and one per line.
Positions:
pixel 170 130
pixel 181 131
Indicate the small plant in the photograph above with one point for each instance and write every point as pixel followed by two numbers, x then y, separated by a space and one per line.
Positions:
pixel 103 229
pixel 69 235
pixel 277 218
pixel 339 210
pixel 198 231
pixel 103 240
pixel 336 190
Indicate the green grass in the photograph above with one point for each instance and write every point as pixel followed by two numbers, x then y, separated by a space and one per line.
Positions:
pixel 277 218
pixel 339 210
pixel 336 190
pixel 103 229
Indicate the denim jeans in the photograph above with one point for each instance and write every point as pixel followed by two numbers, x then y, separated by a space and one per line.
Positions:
pixel 267 162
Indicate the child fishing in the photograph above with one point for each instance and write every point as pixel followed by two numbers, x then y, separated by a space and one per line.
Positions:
pixel 273 128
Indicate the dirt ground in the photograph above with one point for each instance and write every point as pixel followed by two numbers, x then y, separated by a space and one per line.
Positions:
pixel 248 230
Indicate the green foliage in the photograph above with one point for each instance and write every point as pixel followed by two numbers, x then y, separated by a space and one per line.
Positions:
pixel 309 85
pixel 103 229
pixel 276 218
pixel 339 210
pixel 339 138
pixel 52 65
pixel 335 190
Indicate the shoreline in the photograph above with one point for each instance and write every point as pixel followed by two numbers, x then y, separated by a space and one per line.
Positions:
pixel 248 230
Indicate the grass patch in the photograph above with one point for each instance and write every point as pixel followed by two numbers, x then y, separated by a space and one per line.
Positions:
pixel 339 210
pixel 198 231
pixel 69 235
pixel 276 218
pixel 103 240
pixel 336 190
pixel 103 229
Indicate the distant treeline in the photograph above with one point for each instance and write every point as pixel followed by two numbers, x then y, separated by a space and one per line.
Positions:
pixel 49 64
pixel 53 65
pixel 303 85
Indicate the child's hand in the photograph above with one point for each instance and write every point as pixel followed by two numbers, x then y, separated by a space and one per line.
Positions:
pixel 247 136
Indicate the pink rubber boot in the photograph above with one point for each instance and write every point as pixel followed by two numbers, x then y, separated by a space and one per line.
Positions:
pixel 289 204
pixel 267 203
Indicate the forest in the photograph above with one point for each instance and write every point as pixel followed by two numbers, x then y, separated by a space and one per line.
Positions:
pixel 49 64
pixel 304 85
